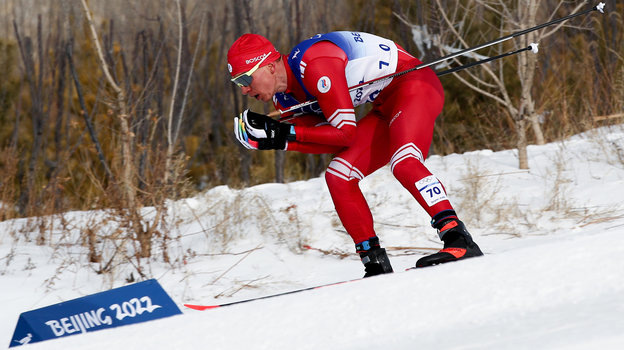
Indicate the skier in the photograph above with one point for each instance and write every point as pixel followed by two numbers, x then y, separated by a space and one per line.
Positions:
pixel 398 130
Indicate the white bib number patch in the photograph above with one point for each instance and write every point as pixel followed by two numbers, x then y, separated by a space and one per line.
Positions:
pixel 431 190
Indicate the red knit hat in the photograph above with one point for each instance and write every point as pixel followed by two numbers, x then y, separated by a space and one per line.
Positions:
pixel 247 51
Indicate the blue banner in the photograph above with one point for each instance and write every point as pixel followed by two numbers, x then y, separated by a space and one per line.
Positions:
pixel 135 303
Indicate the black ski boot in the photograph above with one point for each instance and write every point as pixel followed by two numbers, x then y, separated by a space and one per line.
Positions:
pixel 458 245
pixel 373 257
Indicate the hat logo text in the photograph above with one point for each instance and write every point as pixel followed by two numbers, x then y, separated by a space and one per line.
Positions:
pixel 257 58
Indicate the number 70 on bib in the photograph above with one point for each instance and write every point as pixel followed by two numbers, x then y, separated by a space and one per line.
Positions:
pixel 431 190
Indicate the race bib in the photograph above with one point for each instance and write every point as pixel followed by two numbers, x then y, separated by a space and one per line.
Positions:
pixel 431 190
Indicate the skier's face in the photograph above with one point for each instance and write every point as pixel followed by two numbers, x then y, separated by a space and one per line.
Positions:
pixel 262 86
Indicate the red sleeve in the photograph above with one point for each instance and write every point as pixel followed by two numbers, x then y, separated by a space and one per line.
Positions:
pixel 310 121
pixel 313 148
pixel 324 77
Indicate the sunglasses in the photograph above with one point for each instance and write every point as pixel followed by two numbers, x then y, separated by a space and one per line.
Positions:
pixel 245 79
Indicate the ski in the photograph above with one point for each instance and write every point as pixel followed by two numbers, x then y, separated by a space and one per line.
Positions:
pixel 215 306
pixel 208 307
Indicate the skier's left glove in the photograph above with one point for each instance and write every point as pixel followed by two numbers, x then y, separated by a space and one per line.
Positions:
pixel 269 133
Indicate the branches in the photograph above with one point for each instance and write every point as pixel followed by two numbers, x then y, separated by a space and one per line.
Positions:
pixel 173 132
pixel 558 26
pixel 128 167
pixel 498 81
pixel 98 48
pixel 176 79
pixel 86 117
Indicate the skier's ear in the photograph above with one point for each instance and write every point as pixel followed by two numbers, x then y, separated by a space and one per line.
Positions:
pixel 271 67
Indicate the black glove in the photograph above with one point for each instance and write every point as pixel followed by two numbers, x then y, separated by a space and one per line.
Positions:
pixel 262 132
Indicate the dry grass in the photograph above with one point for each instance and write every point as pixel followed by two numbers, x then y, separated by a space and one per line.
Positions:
pixel 478 196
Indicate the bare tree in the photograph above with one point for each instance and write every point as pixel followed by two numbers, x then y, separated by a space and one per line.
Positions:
pixel 128 174
pixel 130 205
pixel 493 80
pixel 174 123
pixel 34 70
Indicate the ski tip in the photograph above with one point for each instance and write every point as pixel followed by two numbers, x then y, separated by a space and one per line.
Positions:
pixel 201 307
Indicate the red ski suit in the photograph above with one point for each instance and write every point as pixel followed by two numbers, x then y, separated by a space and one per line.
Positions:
pixel 398 130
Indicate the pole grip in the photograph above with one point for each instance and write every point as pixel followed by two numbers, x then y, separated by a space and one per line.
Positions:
pixel 275 113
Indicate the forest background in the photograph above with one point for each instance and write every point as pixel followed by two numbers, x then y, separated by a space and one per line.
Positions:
pixel 158 124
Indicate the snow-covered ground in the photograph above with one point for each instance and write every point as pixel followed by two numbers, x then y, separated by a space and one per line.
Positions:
pixel 552 276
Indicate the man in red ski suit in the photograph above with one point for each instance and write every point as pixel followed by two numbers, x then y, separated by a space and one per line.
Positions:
pixel 398 130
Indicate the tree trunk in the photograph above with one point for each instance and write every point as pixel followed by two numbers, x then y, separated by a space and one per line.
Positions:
pixel 523 157
pixel 526 70
pixel 537 128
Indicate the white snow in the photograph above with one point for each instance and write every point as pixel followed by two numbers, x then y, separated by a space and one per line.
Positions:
pixel 552 276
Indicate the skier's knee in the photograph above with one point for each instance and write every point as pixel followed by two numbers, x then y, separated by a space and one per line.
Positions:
pixel 341 173
pixel 406 157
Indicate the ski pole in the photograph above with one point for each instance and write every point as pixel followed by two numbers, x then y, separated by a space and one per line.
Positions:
pixel 600 7
pixel 533 47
